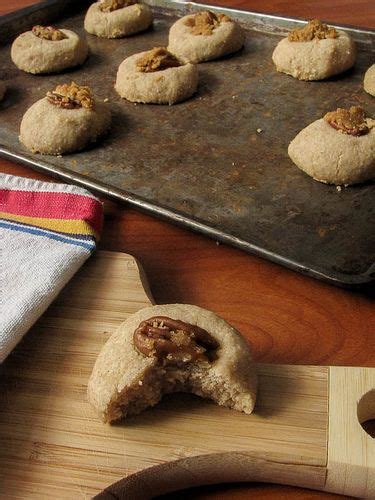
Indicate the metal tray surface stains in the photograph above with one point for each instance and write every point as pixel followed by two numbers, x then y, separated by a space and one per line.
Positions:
pixel 218 162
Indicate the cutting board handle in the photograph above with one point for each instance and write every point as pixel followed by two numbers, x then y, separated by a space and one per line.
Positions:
pixel 350 466
pixel 351 450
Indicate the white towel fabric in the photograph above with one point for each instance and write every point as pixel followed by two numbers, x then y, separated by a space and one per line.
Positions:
pixel 47 231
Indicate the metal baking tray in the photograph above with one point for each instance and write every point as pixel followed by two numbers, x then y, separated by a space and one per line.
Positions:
pixel 217 163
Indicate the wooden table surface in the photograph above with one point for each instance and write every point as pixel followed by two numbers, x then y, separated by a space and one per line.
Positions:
pixel 288 318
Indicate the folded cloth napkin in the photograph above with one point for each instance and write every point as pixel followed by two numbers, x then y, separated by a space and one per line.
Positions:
pixel 47 231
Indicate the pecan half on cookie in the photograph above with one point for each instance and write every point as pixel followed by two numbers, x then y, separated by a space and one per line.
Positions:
pixel 71 96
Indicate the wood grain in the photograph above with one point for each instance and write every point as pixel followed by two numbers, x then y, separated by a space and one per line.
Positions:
pixel 286 317
pixel 52 440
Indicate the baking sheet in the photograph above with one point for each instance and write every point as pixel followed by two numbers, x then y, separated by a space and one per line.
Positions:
pixel 217 163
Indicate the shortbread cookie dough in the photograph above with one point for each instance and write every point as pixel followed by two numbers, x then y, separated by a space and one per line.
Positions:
pixel 45 49
pixel 2 90
pixel 64 121
pixel 204 36
pixel 337 149
pixel 156 76
pixel 172 348
pixel 314 52
pixel 117 18
pixel 369 81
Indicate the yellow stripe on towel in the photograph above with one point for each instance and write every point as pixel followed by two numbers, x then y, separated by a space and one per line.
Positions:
pixel 67 226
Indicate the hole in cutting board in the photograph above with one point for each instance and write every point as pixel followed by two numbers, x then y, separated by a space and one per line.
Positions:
pixel 366 412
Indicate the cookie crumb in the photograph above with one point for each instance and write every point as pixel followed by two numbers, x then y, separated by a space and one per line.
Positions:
pixel 259 130
pixel 339 189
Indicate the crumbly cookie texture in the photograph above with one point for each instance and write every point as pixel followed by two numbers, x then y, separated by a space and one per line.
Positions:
pixel 350 121
pixel 314 29
pixel 64 121
pixel 157 59
pixel 314 54
pixel 111 5
pixel 157 77
pixel 171 348
pixel 369 81
pixel 48 50
pixel 117 18
pixel 204 23
pixel 204 36
pixel 70 96
pixel 48 33
pixel 337 149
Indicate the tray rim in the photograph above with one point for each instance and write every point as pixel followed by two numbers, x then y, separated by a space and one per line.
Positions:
pixel 167 214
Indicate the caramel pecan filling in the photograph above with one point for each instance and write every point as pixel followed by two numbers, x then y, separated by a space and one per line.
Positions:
pixel 174 341
pixel 111 5
pixel 313 29
pixel 350 121
pixel 157 59
pixel 203 23
pixel 71 96
pixel 48 33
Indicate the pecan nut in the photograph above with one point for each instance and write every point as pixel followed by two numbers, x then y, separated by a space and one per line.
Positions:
pixel 157 59
pixel 48 33
pixel 350 121
pixel 203 23
pixel 313 29
pixel 111 5
pixel 71 96
pixel 174 341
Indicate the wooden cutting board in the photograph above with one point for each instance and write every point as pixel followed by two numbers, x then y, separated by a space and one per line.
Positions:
pixel 305 430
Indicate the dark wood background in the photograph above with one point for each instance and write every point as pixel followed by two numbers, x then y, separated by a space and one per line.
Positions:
pixel 287 318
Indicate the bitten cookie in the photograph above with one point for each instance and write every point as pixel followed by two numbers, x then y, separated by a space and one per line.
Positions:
pixel 156 76
pixel 314 52
pixel 64 121
pixel 117 18
pixel 337 149
pixel 2 90
pixel 204 36
pixel 369 81
pixel 171 348
pixel 45 49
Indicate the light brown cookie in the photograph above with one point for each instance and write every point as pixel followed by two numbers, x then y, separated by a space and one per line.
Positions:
pixel 204 36
pixel 314 52
pixel 337 149
pixel 369 80
pixel 153 354
pixel 156 76
pixel 3 89
pixel 64 121
pixel 117 18
pixel 48 50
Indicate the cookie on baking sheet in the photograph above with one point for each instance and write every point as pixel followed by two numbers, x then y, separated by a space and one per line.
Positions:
pixel 64 121
pixel 117 18
pixel 171 348
pixel 369 80
pixel 204 36
pixel 337 149
pixel 314 52
pixel 156 76
pixel 3 89
pixel 45 49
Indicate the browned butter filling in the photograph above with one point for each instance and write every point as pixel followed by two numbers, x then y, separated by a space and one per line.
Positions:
pixel 71 96
pixel 313 29
pixel 173 341
pixel 203 23
pixel 350 121
pixel 157 59
pixel 48 33
pixel 111 5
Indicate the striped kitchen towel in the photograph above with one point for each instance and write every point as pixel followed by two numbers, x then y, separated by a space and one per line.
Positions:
pixel 47 231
